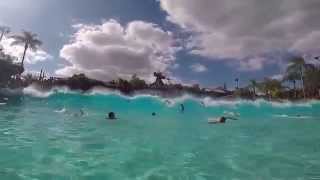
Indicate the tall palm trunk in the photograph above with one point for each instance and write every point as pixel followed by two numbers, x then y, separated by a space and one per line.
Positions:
pixel 237 83
pixel 26 46
pixel 302 81
pixel 2 34
pixel 254 91
pixel 294 88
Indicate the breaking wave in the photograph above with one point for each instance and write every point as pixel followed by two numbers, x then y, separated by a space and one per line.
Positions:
pixel 206 101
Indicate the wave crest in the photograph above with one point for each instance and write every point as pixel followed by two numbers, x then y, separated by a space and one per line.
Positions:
pixel 34 91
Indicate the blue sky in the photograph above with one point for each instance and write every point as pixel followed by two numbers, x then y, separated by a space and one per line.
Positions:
pixel 224 39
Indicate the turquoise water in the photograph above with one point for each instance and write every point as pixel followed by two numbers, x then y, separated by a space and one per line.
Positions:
pixel 47 138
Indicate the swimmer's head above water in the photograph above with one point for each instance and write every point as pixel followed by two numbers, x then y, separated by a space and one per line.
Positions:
pixel 112 116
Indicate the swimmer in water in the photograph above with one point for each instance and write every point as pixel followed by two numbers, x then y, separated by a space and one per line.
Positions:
pixel 202 103
pixel 82 112
pixel 153 114
pixel 220 120
pixel 112 116
pixel 181 108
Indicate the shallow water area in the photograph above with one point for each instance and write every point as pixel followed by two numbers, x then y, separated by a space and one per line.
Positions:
pixel 67 136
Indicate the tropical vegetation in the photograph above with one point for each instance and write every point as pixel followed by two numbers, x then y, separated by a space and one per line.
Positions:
pixel 29 40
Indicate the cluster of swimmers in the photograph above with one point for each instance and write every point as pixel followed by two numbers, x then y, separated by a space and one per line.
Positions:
pixel 220 120
pixel 112 115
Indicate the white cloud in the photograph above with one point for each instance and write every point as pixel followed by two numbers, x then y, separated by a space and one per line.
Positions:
pixel 252 64
pixel 310 43
pixel 243 29
pixel 278 77
pixel 198 68
pixel 32 57
pixel 111 50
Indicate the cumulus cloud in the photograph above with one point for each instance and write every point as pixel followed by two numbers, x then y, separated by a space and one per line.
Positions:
pixel 252 64
pixel 32 57
pixel 110 50
pixel 244 29
pixel 198 68
pixel 278 77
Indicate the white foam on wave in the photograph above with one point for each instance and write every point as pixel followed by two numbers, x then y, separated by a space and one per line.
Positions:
pixel 63 110
pixel 281 115
pixel 291 116
pixel 102 91
pixel 33 91
pixel 286 104
pixel 108 92
pixel 205 101
pixel 258 103
pixel 37 92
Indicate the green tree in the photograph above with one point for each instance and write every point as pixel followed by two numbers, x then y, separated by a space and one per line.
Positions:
pixel 312 80
pixel 296 68
pixel 293 77
pixel 137 83
pixel 253 85
pixel 271 87
pixel 237 83
pixel 29 40
pixel 8 69
pixel 124 85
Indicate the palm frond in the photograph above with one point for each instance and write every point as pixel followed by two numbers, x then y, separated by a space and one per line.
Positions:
pixel 36 42
pixel 28 35
pixel 18 37
pixel 27 38
pixel 17 42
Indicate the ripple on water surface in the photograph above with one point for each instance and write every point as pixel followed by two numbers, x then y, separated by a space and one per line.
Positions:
pixel 49 138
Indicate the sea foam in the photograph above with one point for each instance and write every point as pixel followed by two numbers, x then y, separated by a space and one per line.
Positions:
pixel 173 101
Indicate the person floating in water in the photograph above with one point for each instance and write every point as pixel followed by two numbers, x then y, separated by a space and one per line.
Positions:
pixel 181 108
pixel 220 120
pixel 202 103
pixel 82 113
pixel 112 116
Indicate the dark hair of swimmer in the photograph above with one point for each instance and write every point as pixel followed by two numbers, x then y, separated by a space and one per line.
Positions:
pixel 223 119
pixel 182 107
pixel 153 114
pixel 112 115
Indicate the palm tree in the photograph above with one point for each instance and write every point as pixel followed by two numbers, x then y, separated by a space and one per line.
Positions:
pixel 293 77
pixel 137 83
pixel 3 30
pixel 7 70
pixel 159 80
pixel 272 87
pixel 29 40
pixel 237 83
pixel 296 67
pixel 312 80
pixel 253 84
